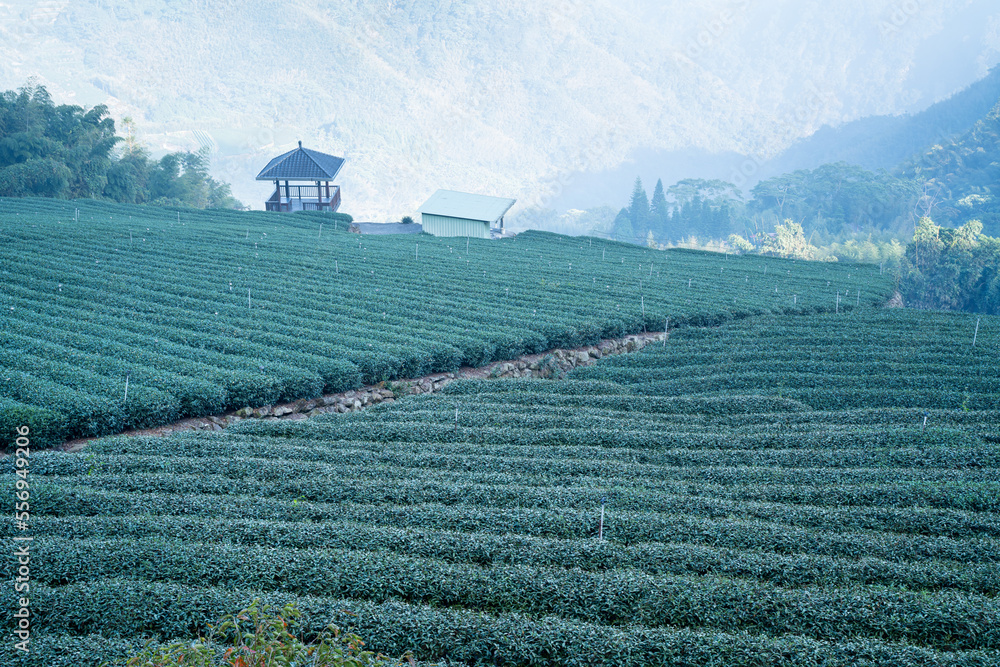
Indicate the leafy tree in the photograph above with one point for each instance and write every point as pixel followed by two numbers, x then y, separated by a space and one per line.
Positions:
pixel 789 241
pixel 775 193
pixel 70 152
pixel 952 269
pixel 887 254
pixel 89 155
pixel 35 177
pixel 837 199
pixel 716 192
pixel 598 221
pixel 740 244
pixel 927 242
pixel 220 195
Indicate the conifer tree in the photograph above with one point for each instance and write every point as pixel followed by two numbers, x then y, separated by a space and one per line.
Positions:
pixel 659 212
pixel 638 211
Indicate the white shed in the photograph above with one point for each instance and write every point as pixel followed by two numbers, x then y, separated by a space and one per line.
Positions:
pixel 451 213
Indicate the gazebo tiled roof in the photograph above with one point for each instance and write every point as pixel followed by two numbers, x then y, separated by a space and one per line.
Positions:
pixel 302 164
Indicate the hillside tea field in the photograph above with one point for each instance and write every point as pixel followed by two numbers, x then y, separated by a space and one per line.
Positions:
pixel 201 312
pixel 760 523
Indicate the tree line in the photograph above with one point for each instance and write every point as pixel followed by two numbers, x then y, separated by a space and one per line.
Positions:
pixel 952 268
pixel 842 211
pixel 68 152
pixel 831 203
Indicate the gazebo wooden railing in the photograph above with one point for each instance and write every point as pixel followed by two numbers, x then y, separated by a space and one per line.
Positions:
pixel 288 197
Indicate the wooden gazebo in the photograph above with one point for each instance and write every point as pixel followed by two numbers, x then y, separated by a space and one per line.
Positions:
pixel 302 165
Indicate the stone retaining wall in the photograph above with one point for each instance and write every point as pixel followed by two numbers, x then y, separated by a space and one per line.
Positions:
pixel 551 364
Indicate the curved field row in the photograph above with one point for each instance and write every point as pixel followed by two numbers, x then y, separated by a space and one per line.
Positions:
pixel 613 597
pixel 869 359
pixel 104 607
pixel 903 562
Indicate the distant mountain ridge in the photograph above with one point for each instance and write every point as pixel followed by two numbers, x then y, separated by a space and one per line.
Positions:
pixel 873 142
pixel 883 142
pixel 951 150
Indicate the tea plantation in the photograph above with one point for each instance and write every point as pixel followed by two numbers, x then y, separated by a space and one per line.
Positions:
pixel 795 477
pixel 201 312
pixel 772 520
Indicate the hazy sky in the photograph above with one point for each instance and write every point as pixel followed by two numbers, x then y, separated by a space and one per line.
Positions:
pixel 509 97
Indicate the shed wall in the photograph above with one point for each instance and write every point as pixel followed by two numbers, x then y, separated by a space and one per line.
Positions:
pixel 440 225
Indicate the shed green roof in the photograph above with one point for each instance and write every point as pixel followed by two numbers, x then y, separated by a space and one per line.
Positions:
pixel 452 204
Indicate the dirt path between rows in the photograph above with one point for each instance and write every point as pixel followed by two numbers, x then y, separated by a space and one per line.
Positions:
pixel 553 363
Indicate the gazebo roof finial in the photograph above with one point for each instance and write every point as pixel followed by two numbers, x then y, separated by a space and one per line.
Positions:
pixel 300 143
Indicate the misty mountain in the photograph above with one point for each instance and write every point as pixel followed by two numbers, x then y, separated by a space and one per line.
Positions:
pixel 873 142
pixel 516 98
pixel 952 179
pixel 886 141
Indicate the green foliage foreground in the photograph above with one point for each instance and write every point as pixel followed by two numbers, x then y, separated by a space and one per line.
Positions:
pixel 260 637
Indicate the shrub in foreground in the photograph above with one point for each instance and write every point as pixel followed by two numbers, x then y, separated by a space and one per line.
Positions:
pixel 260 637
